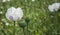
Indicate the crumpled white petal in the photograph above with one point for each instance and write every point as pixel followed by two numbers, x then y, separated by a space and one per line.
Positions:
pixel 1 12
pixel 14 14
pixel 33 0
pixel 51 8
pixel 54 7
pixel 5 0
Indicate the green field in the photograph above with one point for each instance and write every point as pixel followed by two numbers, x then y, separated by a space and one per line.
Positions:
pixel 40 20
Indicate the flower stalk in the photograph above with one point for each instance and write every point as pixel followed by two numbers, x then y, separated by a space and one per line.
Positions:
pixel 14 29
pixel 24 31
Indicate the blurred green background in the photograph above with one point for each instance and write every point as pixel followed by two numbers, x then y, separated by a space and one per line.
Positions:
pixel 40 20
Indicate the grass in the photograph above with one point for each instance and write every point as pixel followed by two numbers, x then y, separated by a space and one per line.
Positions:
pixel 41 22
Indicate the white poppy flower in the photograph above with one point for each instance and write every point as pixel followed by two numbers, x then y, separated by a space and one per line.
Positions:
pixel 51 8
pixel 54 7
pixel 14 14
pixel 33 0
pixel 5 0
pixel 1 12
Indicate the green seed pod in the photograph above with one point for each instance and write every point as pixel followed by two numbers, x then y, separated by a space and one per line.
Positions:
pixel 22 24
pixel 27 20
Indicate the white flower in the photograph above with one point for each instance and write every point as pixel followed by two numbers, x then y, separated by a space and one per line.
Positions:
pixel 6 23
pixel 33 0
pixel 14 14
pixel 51 8
pixel 5 0
pixel 1 12
pixel 54 7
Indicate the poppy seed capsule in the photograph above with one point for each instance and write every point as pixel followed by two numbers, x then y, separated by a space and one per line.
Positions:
pixel 22 24
pixel 27 20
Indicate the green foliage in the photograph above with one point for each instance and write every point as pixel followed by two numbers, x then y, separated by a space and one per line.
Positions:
pixel 41 20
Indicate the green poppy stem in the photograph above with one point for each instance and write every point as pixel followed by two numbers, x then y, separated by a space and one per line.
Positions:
pixel 3 30
pixel 27 28
pixel 24 31
pixel 14 29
